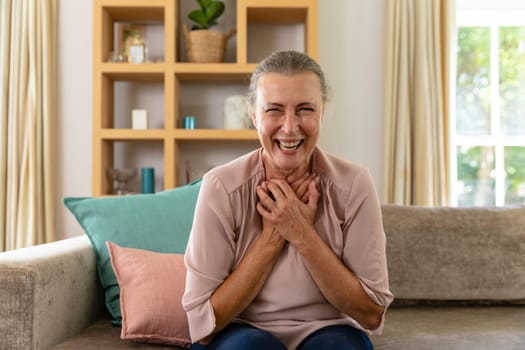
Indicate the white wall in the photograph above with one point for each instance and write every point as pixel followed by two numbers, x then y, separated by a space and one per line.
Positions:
pixel 351 51
pixel 74 108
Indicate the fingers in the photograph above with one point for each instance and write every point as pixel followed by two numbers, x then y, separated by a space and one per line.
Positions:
pixel 263 211
pixel 300 187
pixel 270 192
pixel 266 198
pixel 295 178
pixel 279 206
pixel 295 182
pixel 313 194
pixel 281 189
pixel 274 191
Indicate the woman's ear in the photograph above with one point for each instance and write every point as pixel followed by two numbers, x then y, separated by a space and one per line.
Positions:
pixel 254 120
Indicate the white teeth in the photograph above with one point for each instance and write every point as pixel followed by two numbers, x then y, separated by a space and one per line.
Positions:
pixel 290 144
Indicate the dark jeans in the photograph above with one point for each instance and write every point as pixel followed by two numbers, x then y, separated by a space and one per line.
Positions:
pixel 242 336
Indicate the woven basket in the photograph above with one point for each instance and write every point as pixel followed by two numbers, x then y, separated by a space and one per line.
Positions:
pixel 206 45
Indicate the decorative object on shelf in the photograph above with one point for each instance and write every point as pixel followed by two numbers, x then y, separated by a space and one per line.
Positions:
pixel 121 176
pixel 131 41
pixel 203 45
pixel 188 122
pixel 236 114
pixel 147 180
pixel 139 119
pixel 137 53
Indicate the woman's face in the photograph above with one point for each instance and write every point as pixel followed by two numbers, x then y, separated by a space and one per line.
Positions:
pixel 287 114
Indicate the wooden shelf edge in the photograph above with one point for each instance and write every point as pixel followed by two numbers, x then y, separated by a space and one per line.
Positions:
pixel 215 135
pixel 130 68
pixel 210 68
pixel 176 134
pixel 182 67
pixel 130 134
pixel 131 3
pixel 184 71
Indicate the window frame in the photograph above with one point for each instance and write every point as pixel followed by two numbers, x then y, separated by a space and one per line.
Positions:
pixel 492 19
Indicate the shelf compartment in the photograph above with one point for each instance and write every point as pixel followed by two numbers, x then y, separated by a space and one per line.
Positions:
pixel 225 24
pixel 275 23
pixel 205 100
pixel 139 154
pixel 125 154
pixel 276 36
pixel 124 91
pixel 108 13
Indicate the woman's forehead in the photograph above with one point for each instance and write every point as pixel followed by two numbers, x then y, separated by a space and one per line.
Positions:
pixel 275 85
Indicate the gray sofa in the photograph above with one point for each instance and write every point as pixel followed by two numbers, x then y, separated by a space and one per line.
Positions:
pixel 458 276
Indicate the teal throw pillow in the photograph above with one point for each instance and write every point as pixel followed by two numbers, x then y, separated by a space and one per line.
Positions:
pixel 158 222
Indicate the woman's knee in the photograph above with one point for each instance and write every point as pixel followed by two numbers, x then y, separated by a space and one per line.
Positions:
pixel 242 336
pixel 337 337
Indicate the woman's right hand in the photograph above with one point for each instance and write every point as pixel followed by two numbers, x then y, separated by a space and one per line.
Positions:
pixel 269 231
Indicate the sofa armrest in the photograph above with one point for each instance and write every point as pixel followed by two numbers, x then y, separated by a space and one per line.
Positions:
pixel 48 293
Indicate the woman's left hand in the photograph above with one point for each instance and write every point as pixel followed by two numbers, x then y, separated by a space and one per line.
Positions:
pixel 291 216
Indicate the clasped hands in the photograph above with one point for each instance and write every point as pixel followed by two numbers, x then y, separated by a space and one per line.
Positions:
pixel 288 207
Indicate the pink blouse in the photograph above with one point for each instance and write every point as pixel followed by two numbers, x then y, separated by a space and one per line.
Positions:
pixel 290 305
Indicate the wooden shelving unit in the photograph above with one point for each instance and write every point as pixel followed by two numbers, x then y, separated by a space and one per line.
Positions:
pixel 171 73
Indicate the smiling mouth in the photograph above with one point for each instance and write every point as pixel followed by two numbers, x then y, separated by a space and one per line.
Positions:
pixel 289 145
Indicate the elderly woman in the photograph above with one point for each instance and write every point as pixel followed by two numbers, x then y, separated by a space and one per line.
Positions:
pixel 287 249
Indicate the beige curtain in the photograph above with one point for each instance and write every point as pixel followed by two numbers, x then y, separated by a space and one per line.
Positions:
pixel 27 56
pixel 418 37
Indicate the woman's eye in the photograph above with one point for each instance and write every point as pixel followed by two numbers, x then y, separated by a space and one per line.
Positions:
pixel 306 109
pixel 273 111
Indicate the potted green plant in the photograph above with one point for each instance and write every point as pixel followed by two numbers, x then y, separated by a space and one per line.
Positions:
pixel 202 44
pixel 206 17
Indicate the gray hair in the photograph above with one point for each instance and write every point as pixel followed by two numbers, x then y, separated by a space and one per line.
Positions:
pixel 288 63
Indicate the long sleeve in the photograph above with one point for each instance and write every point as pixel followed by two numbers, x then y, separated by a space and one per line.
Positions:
pixel 209 255
pixel 364 246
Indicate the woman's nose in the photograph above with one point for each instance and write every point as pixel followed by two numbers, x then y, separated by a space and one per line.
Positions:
pixel 290 122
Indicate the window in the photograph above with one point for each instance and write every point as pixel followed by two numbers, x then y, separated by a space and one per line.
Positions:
pixel 489 139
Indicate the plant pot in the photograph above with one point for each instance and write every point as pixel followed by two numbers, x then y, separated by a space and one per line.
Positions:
pixel 205 45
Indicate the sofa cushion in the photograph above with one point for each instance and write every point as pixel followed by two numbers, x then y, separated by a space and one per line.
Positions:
pixel 459 328
pixel 102 335
pixel 151 289
pixel 158 222
pixel 445 253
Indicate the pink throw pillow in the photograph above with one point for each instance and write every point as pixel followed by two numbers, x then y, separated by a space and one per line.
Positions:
pixel 151 289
